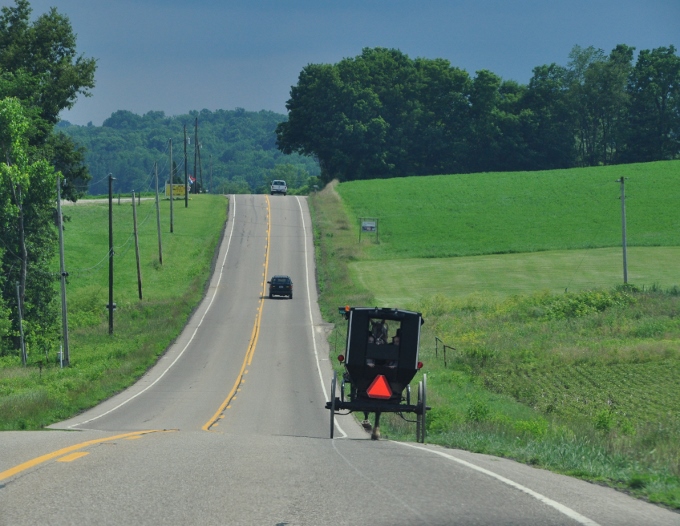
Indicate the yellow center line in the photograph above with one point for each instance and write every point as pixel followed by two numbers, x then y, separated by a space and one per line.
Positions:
pixel 39 460
pixel 248 358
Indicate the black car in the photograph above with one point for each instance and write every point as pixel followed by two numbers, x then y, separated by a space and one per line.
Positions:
pixel 281 286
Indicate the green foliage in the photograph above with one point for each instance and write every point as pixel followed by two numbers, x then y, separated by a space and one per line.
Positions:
pixel 69 160
pixel 584 303
pixel 26 226
pixel 534 428
pixel 382 114
pixel 237 148
pixel 478 411
pixel 40 74
pixel 655 106
pixel 40 66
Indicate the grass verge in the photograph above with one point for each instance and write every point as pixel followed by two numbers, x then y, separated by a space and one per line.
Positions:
pixel 579 383
pixel 103 364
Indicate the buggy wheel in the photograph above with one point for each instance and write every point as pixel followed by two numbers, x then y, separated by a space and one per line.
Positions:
pixel 421 418
pixel 333 382
pixel 419 421
pixel 342 390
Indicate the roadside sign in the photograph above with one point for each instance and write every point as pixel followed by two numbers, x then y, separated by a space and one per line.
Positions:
pixel 368 225
pixel 177 191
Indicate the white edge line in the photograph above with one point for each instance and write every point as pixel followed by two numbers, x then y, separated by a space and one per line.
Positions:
pixel 224 260
pixel 581 519
pixel 311 318
pixel 542 498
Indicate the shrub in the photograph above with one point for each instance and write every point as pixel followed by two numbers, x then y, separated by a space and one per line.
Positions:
pixel 477 411
pixel 584 303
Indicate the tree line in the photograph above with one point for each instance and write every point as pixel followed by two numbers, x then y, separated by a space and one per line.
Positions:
pixel 382 114
pixel 237 151
pixel 41 74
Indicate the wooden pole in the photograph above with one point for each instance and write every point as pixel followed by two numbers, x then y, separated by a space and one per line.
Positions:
pixel 62 271
pixel 172 174
pixel 623 231
pixel 158 218
pixel 195 155
pixel 186 178
pixel 110 305
pixel 134 221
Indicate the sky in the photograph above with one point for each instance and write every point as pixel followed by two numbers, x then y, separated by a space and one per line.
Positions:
pixel 177 56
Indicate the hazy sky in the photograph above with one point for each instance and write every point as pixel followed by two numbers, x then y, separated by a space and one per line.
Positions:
pixel 176 56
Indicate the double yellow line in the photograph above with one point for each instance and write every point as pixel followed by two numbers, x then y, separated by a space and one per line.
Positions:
pixel 138 434
pixel 248 358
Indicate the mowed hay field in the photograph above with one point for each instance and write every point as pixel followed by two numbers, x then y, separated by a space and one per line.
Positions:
pixel 550 360
pixel 400 281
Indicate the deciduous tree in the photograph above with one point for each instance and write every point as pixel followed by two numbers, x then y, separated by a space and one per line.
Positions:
pixel 654 89
pixel 27 225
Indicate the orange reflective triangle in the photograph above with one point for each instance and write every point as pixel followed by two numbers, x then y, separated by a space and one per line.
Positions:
pixel 379 388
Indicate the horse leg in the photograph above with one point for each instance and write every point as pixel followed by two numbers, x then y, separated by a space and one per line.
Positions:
pixel 366 424
pixel 376 428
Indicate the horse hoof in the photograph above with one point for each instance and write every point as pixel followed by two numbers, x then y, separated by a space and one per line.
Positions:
pixel 376 434
pixel 367 425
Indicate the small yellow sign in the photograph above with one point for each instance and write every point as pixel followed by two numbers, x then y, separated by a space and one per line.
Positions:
pixel 177 190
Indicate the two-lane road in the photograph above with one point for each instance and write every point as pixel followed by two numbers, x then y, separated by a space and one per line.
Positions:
pixel 230 427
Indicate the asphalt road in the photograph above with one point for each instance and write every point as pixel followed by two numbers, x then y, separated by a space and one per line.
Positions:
pixel 230 427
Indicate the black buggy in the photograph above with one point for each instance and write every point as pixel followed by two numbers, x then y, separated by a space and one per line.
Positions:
pixel 381 359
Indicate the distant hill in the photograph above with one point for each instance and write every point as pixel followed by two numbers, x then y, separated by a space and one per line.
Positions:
pixel 240 146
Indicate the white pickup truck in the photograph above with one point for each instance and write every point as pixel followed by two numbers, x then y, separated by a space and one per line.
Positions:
pixel 279 187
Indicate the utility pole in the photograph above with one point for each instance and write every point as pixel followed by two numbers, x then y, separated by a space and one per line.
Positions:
pixel 623 230
pixel 200 169
pixel 66 358
pixel 158 218
pixel 172 173
pixel 186 179
pixel 195 155
pixel 139 269
pixel 111 306
pixel 211 173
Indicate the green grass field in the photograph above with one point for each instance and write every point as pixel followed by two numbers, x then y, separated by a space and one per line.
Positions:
pixel 547 362
pixel 404 281
pixel 464 215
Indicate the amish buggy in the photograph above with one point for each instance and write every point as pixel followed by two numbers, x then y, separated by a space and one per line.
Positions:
pixel 380 359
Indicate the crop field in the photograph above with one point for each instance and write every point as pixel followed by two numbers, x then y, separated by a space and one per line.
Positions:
pixel 622 395
pixel 465 215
